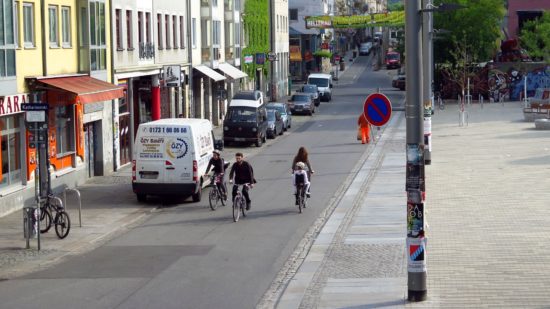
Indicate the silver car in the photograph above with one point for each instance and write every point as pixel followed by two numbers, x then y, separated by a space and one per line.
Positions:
pixel 284 110
pixel 301 102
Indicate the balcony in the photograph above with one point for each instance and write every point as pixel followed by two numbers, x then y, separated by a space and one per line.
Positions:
pixel 146 50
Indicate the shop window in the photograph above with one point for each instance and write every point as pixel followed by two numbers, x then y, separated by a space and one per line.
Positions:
pixel 64 125
pixel 10 155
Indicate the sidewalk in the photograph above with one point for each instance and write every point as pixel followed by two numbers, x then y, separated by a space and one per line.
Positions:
pixel 487 211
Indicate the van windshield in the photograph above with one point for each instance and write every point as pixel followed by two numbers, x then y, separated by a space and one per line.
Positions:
pixel 320 82
pixel 241 114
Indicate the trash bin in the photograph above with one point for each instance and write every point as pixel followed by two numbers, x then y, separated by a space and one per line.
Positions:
pixel 342 66
pixel 30 221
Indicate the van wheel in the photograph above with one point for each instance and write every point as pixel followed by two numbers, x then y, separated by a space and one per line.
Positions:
pixel 142 198
pixel 197 196
pixel 259 142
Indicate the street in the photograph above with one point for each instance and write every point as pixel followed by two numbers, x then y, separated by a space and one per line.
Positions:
pixel 187 256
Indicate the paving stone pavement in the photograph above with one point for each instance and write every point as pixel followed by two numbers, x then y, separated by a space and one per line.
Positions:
pixel 488 215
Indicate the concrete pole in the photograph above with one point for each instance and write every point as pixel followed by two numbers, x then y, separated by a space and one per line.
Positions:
pixel 427 70
pixel 416 255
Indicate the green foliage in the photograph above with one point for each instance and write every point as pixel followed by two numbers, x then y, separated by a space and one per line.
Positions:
pixel 535 37
pixel 396 6
pixel 323 53
pixel 476 27
pixel 256 29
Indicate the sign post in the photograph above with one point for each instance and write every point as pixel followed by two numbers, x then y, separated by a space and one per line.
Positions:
pixel 37 123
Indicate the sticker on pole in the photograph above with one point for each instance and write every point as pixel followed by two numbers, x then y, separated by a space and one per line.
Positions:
pixel 417 255
pixel 377 109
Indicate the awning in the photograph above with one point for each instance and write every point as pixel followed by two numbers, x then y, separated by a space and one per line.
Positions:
pixel 86 89
pixel 210 73
pixel 231 71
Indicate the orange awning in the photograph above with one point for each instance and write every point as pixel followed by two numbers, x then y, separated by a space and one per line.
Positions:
pixel 86 89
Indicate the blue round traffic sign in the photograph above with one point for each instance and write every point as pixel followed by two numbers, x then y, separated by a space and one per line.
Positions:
pixel 377 109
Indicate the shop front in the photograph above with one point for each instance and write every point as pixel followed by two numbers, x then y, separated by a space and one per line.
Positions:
pixel 12 141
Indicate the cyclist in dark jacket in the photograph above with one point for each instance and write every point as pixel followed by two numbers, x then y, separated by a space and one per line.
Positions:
pixel 218 165
pixel 242 173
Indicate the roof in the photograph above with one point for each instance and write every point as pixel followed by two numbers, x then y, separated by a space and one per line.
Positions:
pixel 210 73
pixel 178 121
pixel 231 71
pixel 320 75
pixel 84 88
pixel 244 103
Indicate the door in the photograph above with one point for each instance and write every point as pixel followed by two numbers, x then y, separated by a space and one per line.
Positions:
pixel 89 148
pixel 124 138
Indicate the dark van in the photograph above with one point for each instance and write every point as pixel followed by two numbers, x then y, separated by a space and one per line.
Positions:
pixel 246 119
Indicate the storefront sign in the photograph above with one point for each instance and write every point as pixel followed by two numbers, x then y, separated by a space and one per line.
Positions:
pixel 260 58
pixel 387 19
pixel 12 104
pixel 172 75
pixel 295 53
pixel 248 59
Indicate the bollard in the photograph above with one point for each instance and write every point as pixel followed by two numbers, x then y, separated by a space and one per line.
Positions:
pixel 30 223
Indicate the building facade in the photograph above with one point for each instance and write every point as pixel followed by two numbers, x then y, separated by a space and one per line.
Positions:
pixel 279 33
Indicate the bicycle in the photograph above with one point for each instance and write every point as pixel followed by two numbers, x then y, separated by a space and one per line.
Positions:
pixel 215 196
pixel 301 196
pixel 239 203
pixel 61 221
pixel 440 102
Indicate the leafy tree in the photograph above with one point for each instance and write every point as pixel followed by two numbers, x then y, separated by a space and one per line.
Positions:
pixel 535 37
pixel 471 36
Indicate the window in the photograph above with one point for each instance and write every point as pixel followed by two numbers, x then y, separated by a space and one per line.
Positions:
pixel 129 38
pixel 140 28
pixel 194 32
pixel 148 27
pixel 175 30
pixel 216 32
pixel 293 14
pixel 64 128
pixel 167 31
pixel 66 26
pixel 118 29
pixel 98 48
pixel 28 24
pixel 11 150
pixel 54 26
pixel 182 33
pixel 159 29
pixel 16 25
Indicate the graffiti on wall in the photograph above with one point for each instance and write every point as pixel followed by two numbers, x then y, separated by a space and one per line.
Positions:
pixel 507 79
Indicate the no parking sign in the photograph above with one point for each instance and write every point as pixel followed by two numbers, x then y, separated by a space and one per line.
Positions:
pixel 377 109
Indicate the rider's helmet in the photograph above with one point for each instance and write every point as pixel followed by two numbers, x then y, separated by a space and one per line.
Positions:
pixel 216 151
pixel 300 165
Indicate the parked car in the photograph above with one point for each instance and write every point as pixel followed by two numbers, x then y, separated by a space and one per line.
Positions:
pixel 364 48
pixel 393 60
pixel 171 156
pixel 398 81
pixel 274 124
pixel 246 119
pixel 284 110
pixel 301 103
pixel 314 90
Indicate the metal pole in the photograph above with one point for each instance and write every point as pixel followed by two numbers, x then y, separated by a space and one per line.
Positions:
pixel 416 270
pixel 427 78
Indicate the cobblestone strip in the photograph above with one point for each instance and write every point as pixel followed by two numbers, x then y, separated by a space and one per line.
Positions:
pixel 313 293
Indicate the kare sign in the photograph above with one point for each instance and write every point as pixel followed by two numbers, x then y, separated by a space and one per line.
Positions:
pixel 12 104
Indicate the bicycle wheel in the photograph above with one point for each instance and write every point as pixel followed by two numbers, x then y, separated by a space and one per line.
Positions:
pixel 222 199
pixel 45 220
pixel 62 224
pixel 300 197
pixel 213 198
pixel 236 208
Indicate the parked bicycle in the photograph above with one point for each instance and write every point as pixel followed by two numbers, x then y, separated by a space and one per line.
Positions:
pixel 239 203
pixel 216 197
pixel 440 102
pixel 61 221
pixel 301 196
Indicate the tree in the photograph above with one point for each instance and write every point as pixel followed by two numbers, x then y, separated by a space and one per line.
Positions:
pixel 535 37
pixel 471 35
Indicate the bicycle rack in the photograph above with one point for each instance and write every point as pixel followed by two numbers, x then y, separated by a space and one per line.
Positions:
pixel 79 203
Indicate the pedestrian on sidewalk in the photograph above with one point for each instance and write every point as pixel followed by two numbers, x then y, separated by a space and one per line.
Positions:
pixel 364 129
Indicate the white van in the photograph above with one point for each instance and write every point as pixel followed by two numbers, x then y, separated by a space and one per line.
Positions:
pixel 171 156
pixel 324 84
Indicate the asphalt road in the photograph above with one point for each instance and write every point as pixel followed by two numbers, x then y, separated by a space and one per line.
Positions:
pixel 187 256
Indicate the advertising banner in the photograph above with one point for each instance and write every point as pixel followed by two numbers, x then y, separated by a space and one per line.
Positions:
pixel 389 19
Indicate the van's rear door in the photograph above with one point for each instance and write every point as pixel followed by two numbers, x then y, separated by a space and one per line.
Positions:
pixel 179 155
pixel 150 155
